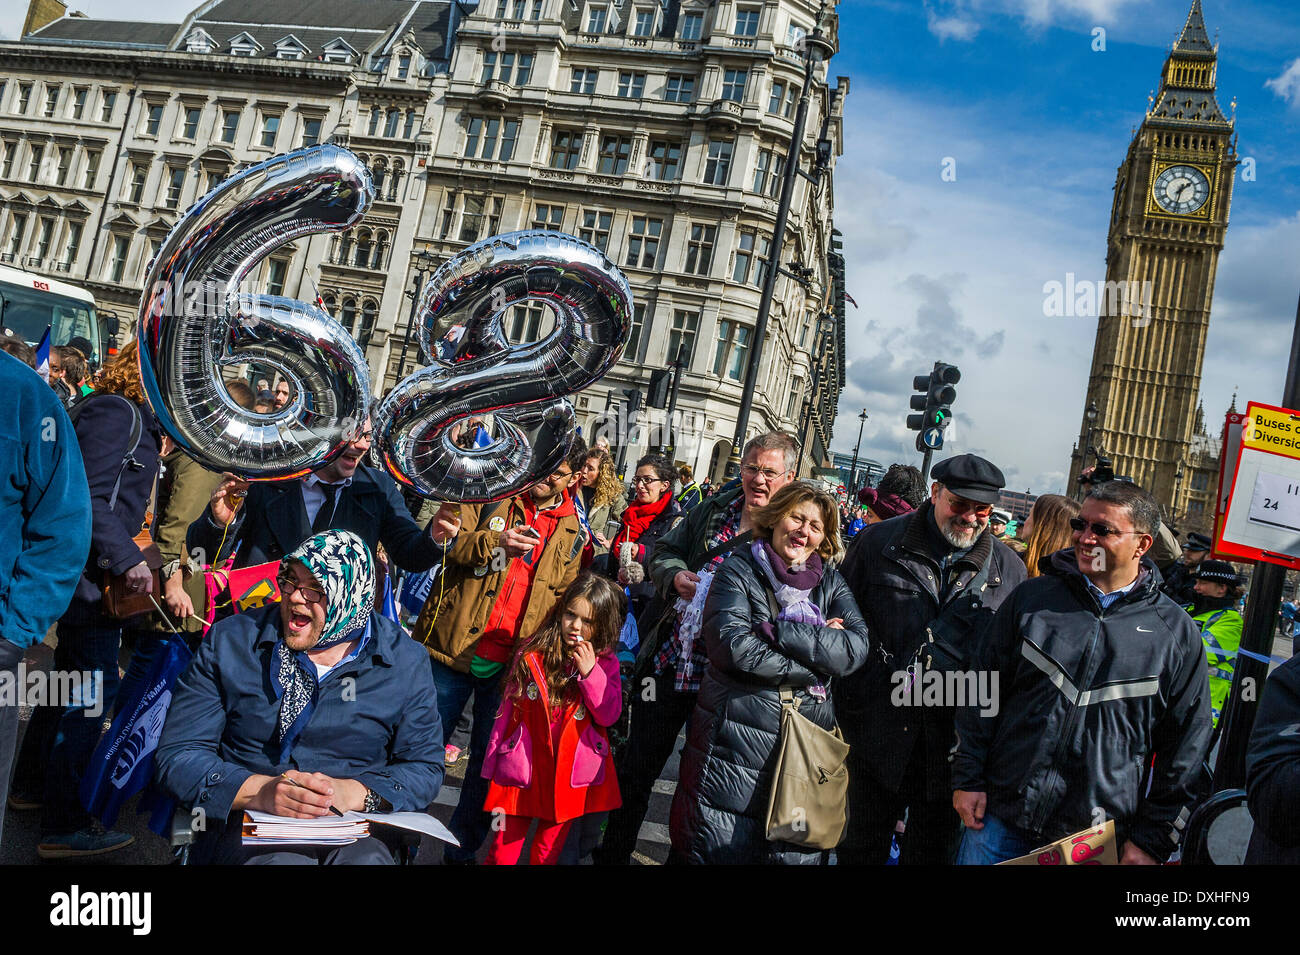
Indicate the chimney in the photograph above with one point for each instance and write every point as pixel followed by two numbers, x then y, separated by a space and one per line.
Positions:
pixel 41 13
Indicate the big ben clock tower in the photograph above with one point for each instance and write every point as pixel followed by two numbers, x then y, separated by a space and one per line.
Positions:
pixel 1170 213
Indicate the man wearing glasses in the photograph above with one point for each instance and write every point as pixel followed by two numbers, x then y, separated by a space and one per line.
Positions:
pixel 507 565
pixel 1099 670
pixel 935 570
pixel 670 657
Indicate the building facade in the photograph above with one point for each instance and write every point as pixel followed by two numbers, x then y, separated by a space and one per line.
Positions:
pixel 1170 214
pixel 657 132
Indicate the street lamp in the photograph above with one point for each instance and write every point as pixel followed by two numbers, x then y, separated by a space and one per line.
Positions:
pixel 853 468
pixel 425 261
pixel 816 48
pixel 1178 484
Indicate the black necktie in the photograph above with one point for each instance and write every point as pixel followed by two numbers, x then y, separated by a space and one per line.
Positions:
pixel 326 513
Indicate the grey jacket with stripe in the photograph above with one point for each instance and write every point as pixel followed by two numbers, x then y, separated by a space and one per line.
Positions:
pixel 1086 696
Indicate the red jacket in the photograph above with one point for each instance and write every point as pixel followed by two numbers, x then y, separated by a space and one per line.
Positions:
pixel 530 775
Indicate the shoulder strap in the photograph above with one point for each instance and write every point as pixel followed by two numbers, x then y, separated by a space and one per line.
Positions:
pixel 726 547
pixel 137 432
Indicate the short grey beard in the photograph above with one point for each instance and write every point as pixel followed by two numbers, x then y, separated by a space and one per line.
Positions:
pixel 951 536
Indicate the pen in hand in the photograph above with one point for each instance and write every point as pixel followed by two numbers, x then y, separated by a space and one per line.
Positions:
pixel 285 777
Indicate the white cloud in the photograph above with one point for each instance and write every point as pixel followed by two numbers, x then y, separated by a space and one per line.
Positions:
pixel 1287 86
pixel 957 25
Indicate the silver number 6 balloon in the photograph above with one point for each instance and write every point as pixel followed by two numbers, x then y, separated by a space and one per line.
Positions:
pixel 195 320
pixel 474 370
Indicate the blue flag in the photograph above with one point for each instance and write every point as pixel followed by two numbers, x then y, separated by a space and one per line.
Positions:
pixel 481 438
pixel 390 605
pixel 415 590
pixel 43 355
pixel 122 764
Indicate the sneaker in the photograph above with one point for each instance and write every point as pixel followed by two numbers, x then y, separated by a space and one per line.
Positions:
pixel 452 754
pixel 91 841
pixel 21 802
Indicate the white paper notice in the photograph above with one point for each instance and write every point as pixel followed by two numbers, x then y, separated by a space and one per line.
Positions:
pixel 1276 501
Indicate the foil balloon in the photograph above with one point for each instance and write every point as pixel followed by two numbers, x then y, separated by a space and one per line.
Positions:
pixel 487 418
pixel 198 317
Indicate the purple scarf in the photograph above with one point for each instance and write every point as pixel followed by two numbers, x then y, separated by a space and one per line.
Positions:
pixel 792 587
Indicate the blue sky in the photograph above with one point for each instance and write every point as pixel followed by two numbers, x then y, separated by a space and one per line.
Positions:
pixel 1037 122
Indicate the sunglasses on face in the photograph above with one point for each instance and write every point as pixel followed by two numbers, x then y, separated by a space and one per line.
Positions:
pixel 960 505
pixel 1098 530
pixel 310 594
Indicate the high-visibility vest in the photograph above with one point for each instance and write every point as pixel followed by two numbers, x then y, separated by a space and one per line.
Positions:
pixel 1221 634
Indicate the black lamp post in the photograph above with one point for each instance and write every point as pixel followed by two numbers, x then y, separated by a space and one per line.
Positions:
pixel 853 468
pixel 816 49
pixel 425 261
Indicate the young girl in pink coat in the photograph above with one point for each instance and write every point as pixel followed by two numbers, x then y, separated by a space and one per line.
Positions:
pixel 548 757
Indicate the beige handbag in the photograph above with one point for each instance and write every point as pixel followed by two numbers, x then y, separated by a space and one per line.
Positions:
pixel 808 805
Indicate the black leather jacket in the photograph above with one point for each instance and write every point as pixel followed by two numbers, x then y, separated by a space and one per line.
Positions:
pixel 1273 770
pixel 894 575
pixel 1086 696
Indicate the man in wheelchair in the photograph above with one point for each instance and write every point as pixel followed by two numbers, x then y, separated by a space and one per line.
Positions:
pixel 301 708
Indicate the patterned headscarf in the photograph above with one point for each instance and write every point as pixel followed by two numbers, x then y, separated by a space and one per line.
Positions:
pixel 341 562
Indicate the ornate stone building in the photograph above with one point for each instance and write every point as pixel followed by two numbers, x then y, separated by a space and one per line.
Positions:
pixel 1170 213
pixel 656 131
pixel 659 133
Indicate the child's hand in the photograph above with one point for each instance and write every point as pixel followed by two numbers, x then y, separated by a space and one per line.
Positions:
pixel 583 657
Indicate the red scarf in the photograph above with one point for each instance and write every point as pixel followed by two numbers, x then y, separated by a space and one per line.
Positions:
pixel 636 519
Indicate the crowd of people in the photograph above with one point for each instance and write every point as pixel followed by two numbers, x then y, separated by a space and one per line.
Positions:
pixel 989 693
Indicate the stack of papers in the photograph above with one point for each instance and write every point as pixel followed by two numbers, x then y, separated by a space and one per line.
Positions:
pixel 263 828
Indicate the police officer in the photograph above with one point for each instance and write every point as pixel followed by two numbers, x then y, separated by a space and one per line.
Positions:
pixel 1181 577
pixel 1216 588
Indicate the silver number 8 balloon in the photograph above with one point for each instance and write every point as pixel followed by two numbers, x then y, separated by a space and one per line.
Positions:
pixel 474 371
pixel 196 320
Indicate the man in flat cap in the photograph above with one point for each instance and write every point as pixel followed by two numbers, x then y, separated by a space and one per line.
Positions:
pixel 937 570
pixel 1180 582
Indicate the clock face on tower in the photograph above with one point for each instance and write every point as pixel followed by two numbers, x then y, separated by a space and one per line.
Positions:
pixel 1181 190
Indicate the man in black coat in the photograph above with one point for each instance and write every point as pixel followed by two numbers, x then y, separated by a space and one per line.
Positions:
pixel 1099 671
pixel 277 516
pixel 1273 770
pixel 1180 582
pixel 938 562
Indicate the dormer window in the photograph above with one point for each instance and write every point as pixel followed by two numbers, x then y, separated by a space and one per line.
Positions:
pixel 403 65
pixel 244 45
pixel 200 41
pixel 339 50
pixel 289 48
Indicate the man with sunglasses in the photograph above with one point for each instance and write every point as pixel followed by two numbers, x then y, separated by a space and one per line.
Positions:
pixel 1099 671
pixel 507 565
pixel 937 569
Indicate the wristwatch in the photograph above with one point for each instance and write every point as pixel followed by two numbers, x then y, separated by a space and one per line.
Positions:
pixel 374 801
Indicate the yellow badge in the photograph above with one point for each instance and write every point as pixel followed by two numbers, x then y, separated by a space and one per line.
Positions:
pixel 497 524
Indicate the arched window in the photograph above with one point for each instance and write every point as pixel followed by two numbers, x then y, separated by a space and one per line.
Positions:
pixel 345 248
pixel 330 302
pixel 409 129
pixel 369 312
pixel 375 115
pixel 378 173
pixel 390 127
pixel 362 259
pixel 395 180
pixel 348 315
pixel 381 250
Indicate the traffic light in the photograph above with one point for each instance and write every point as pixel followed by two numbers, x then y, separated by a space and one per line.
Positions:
pixel 659 384
pixel 935 405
